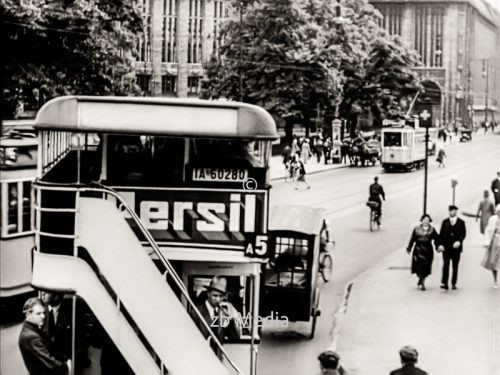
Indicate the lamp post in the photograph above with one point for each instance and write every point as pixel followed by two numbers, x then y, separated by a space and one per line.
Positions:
pixel 425 116
pixel 485 75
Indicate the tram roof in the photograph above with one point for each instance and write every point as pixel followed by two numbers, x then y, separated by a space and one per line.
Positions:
pixel 296 218
pixel 158 116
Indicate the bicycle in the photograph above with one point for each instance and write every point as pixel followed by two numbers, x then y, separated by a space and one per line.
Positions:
pixel 374 220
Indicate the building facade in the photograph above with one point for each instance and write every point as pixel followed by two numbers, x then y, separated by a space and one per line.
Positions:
pixel 458 43
pixel 179 36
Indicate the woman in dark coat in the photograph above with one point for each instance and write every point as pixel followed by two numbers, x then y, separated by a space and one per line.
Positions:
pixel 423 249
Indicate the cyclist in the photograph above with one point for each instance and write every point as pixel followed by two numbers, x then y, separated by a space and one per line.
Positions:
pixel 301 170
pixel 377 192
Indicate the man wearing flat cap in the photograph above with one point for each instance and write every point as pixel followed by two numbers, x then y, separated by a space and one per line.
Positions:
pixel 329 363
pixel 219 314
pixel 450 243
pixel 409 356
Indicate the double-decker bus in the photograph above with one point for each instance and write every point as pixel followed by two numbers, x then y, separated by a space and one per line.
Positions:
pixel 140 202
pixel 18 158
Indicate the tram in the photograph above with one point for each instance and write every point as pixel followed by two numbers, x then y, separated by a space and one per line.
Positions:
pixel 403 145
pixel 18 158
pixel 140 202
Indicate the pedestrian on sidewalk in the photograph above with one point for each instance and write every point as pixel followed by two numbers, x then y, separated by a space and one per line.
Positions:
pixel 301 170
pixel 491 260
pixel 495 188
pixel 306 150
pixel 409 356
pixel 440 157
pixel 329 363
pixel 450 243
pixel 422 242
pixel 485 210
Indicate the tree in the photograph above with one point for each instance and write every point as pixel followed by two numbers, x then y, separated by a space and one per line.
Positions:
pixel 61 47
pixel 279 55
pixel 391 80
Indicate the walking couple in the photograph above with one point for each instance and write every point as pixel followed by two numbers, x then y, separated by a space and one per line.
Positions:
pixel 448 241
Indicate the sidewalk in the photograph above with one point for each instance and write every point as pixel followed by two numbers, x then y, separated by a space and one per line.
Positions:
pixel 277 168
pixel 456 332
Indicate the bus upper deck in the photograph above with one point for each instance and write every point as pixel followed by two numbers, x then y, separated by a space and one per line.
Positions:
pixel 162 142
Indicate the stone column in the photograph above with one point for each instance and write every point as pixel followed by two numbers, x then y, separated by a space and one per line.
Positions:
pixel 408 26
pixel 208 30
pixel 450 50
pixel 156 41
pixel 182 46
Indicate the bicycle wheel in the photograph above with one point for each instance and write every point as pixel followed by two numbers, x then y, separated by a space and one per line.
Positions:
pixel 326 267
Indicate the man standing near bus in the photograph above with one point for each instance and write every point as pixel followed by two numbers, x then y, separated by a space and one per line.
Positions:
pixel 376 193
pixel 39 354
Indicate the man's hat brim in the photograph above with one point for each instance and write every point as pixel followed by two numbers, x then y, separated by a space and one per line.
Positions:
pixel 216 289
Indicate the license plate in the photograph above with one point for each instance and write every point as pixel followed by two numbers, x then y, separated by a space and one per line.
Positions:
pixel 219 174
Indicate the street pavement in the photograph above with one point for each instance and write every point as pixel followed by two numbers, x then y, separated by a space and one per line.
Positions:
pixel 343 193
pixel 456 332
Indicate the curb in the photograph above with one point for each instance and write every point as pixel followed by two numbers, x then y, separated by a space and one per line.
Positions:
pixel 314 172
pixel 339 316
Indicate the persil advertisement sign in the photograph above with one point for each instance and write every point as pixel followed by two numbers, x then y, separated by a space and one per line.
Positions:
pixel 199 217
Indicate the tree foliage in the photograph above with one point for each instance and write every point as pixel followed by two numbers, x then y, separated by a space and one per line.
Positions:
pixel 56 47
pixel 292 57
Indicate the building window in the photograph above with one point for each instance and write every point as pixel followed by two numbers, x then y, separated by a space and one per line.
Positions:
pixel 194 31
pixel 194 86
pixel 145 42
pixel 168 85
pixel 220 15
pixel 392 18
pixel 143 81
pixel 169 29
pixel 429 35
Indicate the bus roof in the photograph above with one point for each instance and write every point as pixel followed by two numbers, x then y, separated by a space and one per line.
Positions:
pixel 157 116
pixel 296 218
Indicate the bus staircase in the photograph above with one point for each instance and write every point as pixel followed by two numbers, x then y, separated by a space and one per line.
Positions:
pixel 137 305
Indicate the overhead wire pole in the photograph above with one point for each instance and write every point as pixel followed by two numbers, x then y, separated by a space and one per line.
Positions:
pixel 426 166
pixel 241 51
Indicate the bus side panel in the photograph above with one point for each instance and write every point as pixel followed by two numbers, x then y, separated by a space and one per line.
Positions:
pixel 15 272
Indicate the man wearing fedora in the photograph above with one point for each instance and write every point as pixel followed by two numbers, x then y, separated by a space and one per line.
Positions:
pixel 451 238
pixel 219 314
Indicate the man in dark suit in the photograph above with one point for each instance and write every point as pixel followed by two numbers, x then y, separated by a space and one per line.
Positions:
pixel 58 325
pixel 39 354
pixel 451 237
pixel 409 356
pixel 495 188
pixel 220 315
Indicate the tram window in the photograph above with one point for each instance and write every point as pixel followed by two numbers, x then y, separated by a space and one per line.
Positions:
pixel 288 265
pixel 12 221
pixel 27 205
pixel 24 156
pixel 392 139
pixel 245 153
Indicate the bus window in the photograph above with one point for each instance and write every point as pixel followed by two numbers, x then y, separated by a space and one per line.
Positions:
pixel 392 139
pixel 155 160
pixel 231 153
pixel 27 205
